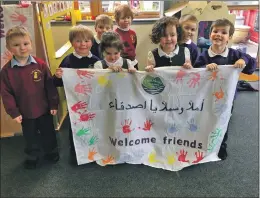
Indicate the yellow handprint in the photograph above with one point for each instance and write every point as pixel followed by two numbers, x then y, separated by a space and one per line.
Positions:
pixel 152 158
pixel 104 81
pixel 121 74
pixel 170 159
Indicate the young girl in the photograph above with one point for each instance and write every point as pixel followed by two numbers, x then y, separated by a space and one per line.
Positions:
pixel 111 47
pixel 188 27
pixel 168 53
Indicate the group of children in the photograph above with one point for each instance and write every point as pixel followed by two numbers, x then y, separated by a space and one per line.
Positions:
pixel 29 91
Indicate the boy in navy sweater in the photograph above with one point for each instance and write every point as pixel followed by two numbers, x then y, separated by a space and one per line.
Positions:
pixel 30 97
pixel 81 38
pixel 221 32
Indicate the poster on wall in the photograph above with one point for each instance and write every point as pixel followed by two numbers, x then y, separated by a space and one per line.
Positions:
pixel 170 119
pixel 13 15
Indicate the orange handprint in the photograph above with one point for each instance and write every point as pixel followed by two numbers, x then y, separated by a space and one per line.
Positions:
pixel 147 125
pixel 17 17
pixel 213 76
pixel 91 154
pixel 108 160
pixel 7 56
pixel 219 94
pixel 199 156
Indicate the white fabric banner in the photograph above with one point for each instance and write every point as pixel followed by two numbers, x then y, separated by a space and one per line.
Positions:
pixel 171 118
pixel 13 15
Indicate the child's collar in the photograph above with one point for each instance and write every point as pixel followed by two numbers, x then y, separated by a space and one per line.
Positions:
pixel 223 54
pixel 172 54
pixel 79 56
pixel 97 39
pixel 124 29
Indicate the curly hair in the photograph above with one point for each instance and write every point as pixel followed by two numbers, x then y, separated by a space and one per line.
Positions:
pixel 110 39
pixel 123 11
pixel 223 22
pixel 160 26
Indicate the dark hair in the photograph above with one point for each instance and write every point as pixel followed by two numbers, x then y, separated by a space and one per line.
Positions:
pixel 223 22
pixel 110 39
pixel 123 11
pixel 160 26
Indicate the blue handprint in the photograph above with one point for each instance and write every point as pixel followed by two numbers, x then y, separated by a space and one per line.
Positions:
pixel 220 108
pixel 172 128
pixel 192 126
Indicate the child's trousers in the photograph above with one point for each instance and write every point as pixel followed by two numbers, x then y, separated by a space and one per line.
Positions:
pixel 39 133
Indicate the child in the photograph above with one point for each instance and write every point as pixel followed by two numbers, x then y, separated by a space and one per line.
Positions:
pixel 124 17
pixel 103 23
pixel 188 27
pixel 168 53
pixel 221 32
pixel 30 97
pixel 81 38
pixel 111 47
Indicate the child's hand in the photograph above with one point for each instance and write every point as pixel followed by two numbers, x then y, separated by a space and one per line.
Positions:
pixel 187 65
pixel 115 68
pixel 212 66
pixel 132 70
pixel 149 68
pixel 53 111
pixel 18 119
pixel 240 63
pixel 59 73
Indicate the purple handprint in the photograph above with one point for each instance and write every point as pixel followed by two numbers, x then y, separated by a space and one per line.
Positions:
pixel 192 126
pixel 172 129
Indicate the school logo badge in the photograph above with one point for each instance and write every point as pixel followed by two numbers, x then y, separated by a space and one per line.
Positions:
pixel 36 75
pixel 133 38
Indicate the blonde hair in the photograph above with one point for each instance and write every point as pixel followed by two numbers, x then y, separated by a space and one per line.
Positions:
pixel 104 20
pixel 188 17
pixel 80 31
pixel 123 11
pixel 16 31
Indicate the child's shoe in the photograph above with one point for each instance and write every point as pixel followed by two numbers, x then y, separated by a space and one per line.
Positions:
pixel 52 157
pixel 222 154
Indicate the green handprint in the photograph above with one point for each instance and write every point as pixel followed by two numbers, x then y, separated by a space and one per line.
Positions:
pixel 83 132
pixel 213 139
pixel 92 140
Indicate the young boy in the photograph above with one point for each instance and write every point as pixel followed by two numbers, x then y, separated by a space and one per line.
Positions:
pixel 188 27
pixel 103 23
pixel 124 17
pixel 81 38
pixel 30 97
pixel 221 32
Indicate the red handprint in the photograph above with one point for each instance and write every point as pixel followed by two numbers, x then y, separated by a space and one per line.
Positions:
pixel 180 75
pixel 219 94
pixel 79 105
pixel 199 156
pixel 86 117
pixel 17 17
pixel 147 125
pixel 86 74
pixel 194 80
pixel 23 5
pixel 126 126
pixel 83 89
pixel 182 156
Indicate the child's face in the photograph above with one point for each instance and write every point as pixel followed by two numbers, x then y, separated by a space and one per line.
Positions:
pixel 125 22
pixel 20 46
pixel 168 42
pixel 111 54
pixel 101 28
pixel 219 36
pixel 188 28
pixel 82 46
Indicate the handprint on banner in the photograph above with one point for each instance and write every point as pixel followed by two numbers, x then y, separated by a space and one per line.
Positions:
pixel 91 154
pixel 219 94
pixel 83 89
pixel 152 158
pixel 182 156
pixel 104 81
pixel 199 156
pixel 93 140
pixel 23 5
pixel 78 106
pixel 213 75
pixel 179 76
pixel 86 117
pixel 6 56
pixel 170 159
pixel 17 17
pixel 195 80
pixel 147 125
pixel 86 74
pixel 108 160
pixel 192 125
pixel 214 139
pixel 83 131
pixel 124 157
pixel 220 108
pixel 172 129
pixel 126 127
